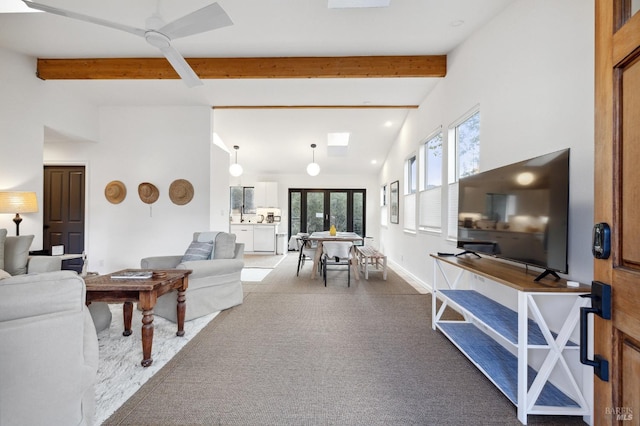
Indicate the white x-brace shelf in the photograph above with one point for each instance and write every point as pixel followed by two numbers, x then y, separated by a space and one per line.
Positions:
pixel 528 389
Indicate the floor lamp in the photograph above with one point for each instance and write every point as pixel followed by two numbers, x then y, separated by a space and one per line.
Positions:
pixel 18 202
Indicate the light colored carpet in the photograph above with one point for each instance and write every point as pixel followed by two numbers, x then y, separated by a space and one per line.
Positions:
pixel 120 374
pixel 298 353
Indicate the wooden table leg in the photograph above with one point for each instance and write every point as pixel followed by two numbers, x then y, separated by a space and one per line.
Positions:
pixel 127 314
pixel 316 259
pixel 182 308
pixel 147 337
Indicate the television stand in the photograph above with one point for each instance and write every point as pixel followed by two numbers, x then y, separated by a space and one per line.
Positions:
pixel 547 272
pixel 525 348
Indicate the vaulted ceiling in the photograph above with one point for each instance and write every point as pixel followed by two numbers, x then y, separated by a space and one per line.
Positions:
pixel 279 106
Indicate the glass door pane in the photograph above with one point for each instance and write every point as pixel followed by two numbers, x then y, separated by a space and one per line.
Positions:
pixel 295 212
pixel 315 211
pixel 338 210
pixel 358 213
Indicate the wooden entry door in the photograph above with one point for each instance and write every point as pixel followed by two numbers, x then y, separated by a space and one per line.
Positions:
pixel 63 212
pixel 617 202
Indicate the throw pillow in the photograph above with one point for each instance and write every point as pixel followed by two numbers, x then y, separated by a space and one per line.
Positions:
pixel 225 246
pixel 3 236
pixel 4 274
pixel 16 254
pixel 198 250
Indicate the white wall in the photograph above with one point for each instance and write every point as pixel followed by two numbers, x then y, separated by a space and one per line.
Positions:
pixel 531 72
pixel 147 144
pixel 26 106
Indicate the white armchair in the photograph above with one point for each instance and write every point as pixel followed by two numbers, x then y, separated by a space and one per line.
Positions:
pixel 214 284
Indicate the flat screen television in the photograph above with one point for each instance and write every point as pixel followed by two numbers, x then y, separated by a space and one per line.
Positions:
pixel 518 212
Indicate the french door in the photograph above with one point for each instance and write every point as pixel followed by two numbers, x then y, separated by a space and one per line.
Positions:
pixel 312 210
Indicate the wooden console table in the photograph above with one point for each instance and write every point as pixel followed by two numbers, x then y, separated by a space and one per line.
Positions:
pixel 502 342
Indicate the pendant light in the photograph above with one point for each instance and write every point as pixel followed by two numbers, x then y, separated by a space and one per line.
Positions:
pixel 235 169
pixel 313 168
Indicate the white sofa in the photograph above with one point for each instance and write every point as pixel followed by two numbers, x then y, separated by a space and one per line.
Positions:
pixel 214 284
pixel 49 351
pixel 15 260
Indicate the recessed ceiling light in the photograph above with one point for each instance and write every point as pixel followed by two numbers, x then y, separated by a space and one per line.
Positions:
pixel 374 161
pixel 456 23
pixel 388 124
pixel 346 4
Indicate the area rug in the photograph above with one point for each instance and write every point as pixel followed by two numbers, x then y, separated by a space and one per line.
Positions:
pixel 254 274
pixel 120 374
pixel 263 260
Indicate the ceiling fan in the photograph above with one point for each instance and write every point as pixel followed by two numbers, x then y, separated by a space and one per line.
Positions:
pixel 160 35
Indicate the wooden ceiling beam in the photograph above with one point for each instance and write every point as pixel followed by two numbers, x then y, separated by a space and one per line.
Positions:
pixel 235 68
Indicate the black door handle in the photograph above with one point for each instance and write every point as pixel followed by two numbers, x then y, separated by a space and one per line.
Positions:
pixel 600 305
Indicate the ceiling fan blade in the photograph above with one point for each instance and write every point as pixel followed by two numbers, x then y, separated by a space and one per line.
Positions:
pixel 181 66
pixel 69 14
pixel 206 19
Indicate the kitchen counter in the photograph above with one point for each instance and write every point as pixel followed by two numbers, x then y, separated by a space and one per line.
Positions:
pixel 256 237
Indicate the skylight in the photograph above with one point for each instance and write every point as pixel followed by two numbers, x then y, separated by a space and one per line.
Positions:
pixel 338 139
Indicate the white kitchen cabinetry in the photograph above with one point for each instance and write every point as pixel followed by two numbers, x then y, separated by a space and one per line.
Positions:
pixel 266 194
pixel 536 367
pixel 244 234
pixel 264 238
pixel 257 238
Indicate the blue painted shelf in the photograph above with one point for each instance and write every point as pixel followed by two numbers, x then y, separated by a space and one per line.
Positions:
pixel 500 365
pixel 496 316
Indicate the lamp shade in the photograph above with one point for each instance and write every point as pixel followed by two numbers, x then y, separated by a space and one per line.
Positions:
pixel 313 169
pixel 18 202
pixel 235 169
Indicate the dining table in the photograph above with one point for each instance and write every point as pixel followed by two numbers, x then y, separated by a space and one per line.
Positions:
pixel 322 236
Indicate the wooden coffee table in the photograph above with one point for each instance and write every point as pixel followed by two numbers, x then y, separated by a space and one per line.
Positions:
pixel 103 288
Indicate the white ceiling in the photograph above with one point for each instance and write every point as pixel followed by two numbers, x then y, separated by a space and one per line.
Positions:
pixel 265 29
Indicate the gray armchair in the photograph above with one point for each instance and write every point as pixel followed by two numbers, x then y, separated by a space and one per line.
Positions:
pixel 214 284
pixel 49 351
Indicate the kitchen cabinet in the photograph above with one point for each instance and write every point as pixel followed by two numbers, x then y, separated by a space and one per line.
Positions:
pixel 264 238
pixel 266 194
pixel 257 238
pixel 244 234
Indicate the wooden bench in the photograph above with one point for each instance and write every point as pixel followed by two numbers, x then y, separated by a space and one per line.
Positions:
pixel 369 255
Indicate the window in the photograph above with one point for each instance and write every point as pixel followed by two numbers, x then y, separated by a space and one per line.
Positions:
pixel 431 184
pixel 242 200
pixel 411 187
pixel 411 174
pixel 464 160
pixel 383 206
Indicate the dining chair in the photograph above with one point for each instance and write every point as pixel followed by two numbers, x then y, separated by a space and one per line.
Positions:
pixel 336 254
pixel 306 251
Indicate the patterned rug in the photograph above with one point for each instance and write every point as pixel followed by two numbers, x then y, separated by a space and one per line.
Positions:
pixel 120 374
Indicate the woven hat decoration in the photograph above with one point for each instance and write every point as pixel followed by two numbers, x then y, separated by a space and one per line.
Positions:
pixel 148 192
pixel 115 192
pixel 181 192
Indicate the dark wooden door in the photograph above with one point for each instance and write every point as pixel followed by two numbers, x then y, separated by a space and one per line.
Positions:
pixel 63 222
pixel 617 198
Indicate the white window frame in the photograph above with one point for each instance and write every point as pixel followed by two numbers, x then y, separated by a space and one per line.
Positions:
pixel 430 196
pixel 453 169
pixel 410 190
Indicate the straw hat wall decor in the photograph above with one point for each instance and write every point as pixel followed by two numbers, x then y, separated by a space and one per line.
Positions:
pixel 181 192
pixel 148 192
pixel 115 192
